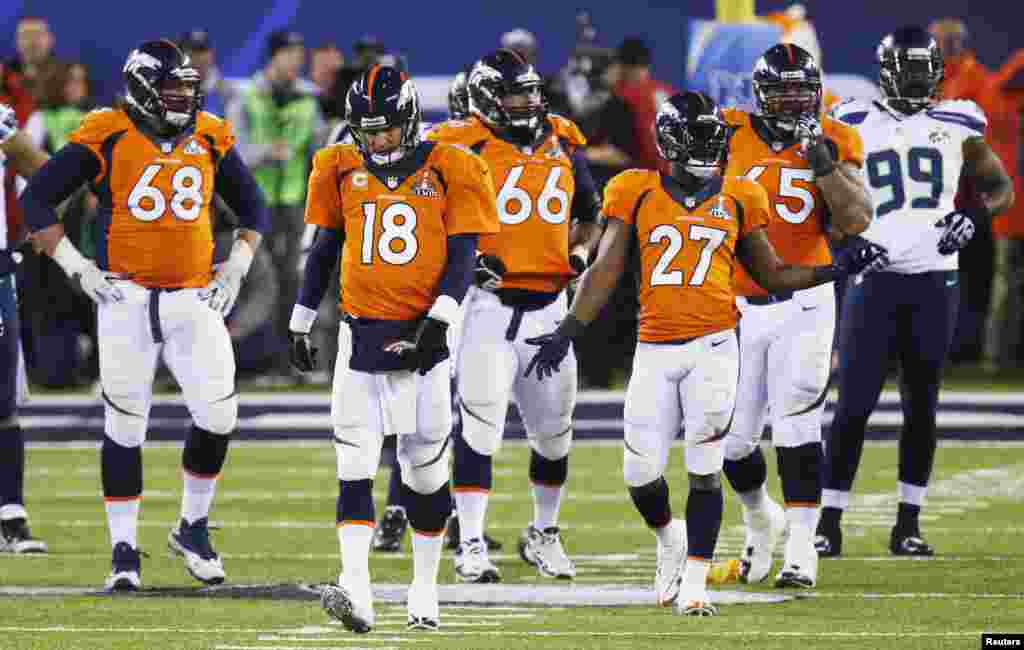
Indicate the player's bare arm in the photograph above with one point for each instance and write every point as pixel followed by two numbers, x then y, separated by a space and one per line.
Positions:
pixel 992 186
pixel 847 199
pixel 598 283
pixel 584 238
pixel 586 213
pixel 758 255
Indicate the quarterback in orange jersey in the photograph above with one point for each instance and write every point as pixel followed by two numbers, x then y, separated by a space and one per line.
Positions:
pixel 688 230
pixel 810 167
pixel 405 217
pixel 548 206
pixel 155 163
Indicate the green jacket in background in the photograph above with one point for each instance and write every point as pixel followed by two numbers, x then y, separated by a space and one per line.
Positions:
pixel 295 120
pixel 60 122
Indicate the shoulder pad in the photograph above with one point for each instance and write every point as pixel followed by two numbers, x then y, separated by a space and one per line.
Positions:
pixel 217 129
pixel 851 111
pixel 735 116
pixel 566 129
pixel 99 124
pixel 458 131
pixel 340 156
pixel 963 112
pixel 630 183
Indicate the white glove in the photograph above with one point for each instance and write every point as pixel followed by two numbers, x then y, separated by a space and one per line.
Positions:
pixel 8 123
pixel 95 282
pixel 223 290
pixel 808 132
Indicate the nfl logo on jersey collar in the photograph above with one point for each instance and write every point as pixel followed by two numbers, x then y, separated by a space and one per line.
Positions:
pixel 392 182
pixel 689 202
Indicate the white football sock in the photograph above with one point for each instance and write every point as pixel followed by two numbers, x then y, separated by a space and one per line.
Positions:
pixel 196 497
pixel 547 500
pixel 803 517
pixel 355 540
pixel 666 534
pixel 753 500
pixel 472 508
pixel 426 558
pixel 695 575
pixel 123 519
pixel 835 499
pixel 912 494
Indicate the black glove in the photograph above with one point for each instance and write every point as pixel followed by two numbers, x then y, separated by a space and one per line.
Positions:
pixel 553 348
pixel 303 354
pixel 959 229
pixel 578 263
pixel 488 272
pixel 429 345
pixel 812 138
pixel 860 256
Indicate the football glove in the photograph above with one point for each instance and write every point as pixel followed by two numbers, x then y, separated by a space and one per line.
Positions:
pixel 578 262
pixel 220 294
pixel 95 283
pixel 489 272
pixel 553 348
pixel 812 141
pixel 8 123
pixel 303 354
pixel 959 229
pixel 428 347
pixel 860 255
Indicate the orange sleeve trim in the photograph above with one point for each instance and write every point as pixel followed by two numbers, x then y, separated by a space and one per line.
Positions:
pixel 356 522
pixel 469 489
pixel 802 504
pixel 122 499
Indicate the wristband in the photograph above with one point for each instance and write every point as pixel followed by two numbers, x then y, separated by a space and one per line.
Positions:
pixel 302 319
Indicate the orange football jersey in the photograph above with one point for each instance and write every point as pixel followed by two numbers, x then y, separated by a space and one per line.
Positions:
pixel 397 227
pixel 687 247
pixel 798 209
pixel 535 188
pixel 155 200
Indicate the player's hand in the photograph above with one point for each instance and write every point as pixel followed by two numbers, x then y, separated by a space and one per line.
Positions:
pixel 222 292
pixel 98 284
pixel 489 272
pixel 8 123
pixel 808 131
pixel 303 354
pixel 428 347
pixel 959 229
pixel 552 350
pixel 578 262
pixel 861 256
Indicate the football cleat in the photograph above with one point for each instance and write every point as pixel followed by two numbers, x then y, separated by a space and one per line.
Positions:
pixel 792 575
pixel 192 543
pixel 828 543
pixel 424 612
pixel 472 563
pixel 696 608
pixel 125 569
pixel 452 537
pixel 388 535
pixel 671 560
pixel 353 607
pixel 543 549
pixel 15 537
pixel 909 543
pixel 764 530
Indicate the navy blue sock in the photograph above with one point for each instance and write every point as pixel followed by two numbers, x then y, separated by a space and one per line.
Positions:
pixel 355 502
pixel 748 473
pixel 652 502
pixel 800 472
pixel 395 484
pixel 703 521
pixel 907 518
pixel 121 469
pixel 472 471
pixel 204 453
pixel 427 513
pixel 552 473
pixel 12 466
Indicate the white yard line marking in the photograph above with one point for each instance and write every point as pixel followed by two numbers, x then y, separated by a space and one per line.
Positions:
pixel 300 647
pixel 370 639
pixel 921 595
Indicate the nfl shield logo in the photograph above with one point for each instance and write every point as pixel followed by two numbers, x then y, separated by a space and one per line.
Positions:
pixel 690 202
pixel 776 147
pixel 392 182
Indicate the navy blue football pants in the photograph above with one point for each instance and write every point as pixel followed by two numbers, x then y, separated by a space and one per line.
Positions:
pixel 909 318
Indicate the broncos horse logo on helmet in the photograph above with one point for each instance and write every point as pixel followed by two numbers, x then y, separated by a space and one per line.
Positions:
pixel 911 68
pixel 163 87
pixel 787 85
pixel 493 81
pixel 384 98
pixel 691 132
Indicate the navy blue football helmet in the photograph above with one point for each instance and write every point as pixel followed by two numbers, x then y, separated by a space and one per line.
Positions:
pixel 162 87
pixel 384 98
pixel 498 75
pixel 787 84
pixel 911 68
pixel 691 132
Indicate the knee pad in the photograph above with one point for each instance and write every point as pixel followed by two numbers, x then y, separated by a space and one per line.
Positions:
pixel 126 420
pixel 705 482
pixel 218 417
pixel 358 452
pixel 641 466
pixel 705 458
pixel 738 447
pixel 424 462
pixel 481 428
pixel 552 446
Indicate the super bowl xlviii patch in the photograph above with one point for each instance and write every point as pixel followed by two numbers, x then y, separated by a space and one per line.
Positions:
pixel 425 187
pixel 939 136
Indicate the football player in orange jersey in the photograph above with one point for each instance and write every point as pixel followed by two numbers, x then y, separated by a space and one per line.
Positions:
pixel 548 207
pixel 688 229
pixel 405 216
pixel 810 167
pixel 155 162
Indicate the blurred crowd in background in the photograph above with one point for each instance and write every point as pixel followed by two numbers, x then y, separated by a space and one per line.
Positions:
pixel 289 109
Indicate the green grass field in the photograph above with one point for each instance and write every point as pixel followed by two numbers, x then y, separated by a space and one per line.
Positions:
pixel 276 512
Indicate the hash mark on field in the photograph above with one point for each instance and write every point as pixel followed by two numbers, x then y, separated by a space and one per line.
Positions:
pixel 953 596
pixel 300 647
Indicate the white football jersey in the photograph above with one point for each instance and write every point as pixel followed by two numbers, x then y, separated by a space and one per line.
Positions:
pixel 912 167
pixel 3 201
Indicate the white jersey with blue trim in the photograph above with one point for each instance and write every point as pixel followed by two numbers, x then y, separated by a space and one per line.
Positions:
pixel 912 166
pixel 3 201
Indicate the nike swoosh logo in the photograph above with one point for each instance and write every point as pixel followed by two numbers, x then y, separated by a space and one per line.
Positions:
pixel 950 283
pixel 809 308
pixel 717 343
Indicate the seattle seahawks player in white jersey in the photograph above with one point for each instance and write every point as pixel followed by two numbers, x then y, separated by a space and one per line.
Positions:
pixel 932 178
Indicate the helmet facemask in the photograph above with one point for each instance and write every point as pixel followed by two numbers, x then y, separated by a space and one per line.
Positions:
pixel 700 146
pixel 407 118
pixel 910 77
pixel 786 102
